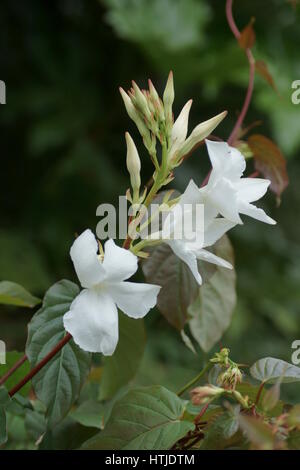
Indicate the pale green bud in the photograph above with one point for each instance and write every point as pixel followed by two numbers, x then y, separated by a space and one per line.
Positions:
pixel 201 395
pixel 130 108
pixel 201 132
pixel 133 165
pixel 157 103
pixel 180 129
pixel 168 98
pixel 141 101
pixel 153 93
pixel 134 115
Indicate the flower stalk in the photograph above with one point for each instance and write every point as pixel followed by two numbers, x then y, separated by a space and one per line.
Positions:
pixel 251 60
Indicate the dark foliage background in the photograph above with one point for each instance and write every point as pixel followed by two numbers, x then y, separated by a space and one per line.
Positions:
pixel 63 149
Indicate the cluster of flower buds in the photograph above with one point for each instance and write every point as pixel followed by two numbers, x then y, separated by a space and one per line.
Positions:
pixel 230 375
pixel 222 357
pixel 230 378
pixel 202 395
pixel 154 119
pixel 152 116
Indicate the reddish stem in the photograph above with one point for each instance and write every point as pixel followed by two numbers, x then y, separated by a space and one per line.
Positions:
pixel 242 115
pixel 41 364
pixel 251 61
pixel 255 174
pixel 259 393
pixel 199 416
pixel 16 366
pixel 205 181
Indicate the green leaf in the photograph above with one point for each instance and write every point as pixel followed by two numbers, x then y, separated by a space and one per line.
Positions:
pixel 179 288
pixel 89 413
pixel 35 424
pixel 270 370
pixel 14 294
pixel 67 435
pixel 58 383
pixel 11 358
pixel 179 27
pixel 122 366
pixel 222 428
pixel 212 310
pixel 144 419
pixel 4 401
pixel 251 391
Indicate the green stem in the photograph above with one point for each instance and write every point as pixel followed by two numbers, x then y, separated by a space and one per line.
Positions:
pixel 160 176
pixel 206 369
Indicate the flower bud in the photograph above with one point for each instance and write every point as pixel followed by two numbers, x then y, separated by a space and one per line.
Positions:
pixel 133 165
pixel 221 357
pixel 134 115
pixel 180 128
pixel 201 132
pixel 201 395
pixel 168 98
pixel 157 103
pixel 141 101
pixel 230 378
pixel 153 93
pixel 130 108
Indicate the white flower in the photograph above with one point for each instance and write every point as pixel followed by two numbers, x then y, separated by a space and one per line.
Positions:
pixel 93 316
pixel 187 249
pixel 227 191
pixel 212 230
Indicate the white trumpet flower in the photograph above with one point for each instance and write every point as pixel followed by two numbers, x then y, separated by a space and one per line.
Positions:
pixel 188 241
pixel 227 192
pixel 93 316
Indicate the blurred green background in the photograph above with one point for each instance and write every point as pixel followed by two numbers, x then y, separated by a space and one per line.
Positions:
pixel 63 149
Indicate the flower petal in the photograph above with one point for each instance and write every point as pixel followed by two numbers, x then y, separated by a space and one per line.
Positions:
pixel 218 154
pixel 216 230
pixel 211 258
pixel 252 189
pixel 227 162
pixel 224 197
pixel 180 249
pixel 87 265
pixel 180 128
pixel 236 165
pixel 93 322
pixel 134 299
pixel 255 212
pixel 118 263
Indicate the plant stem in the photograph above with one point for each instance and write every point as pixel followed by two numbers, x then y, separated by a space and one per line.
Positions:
pixel 251 61
pixel 202 412
pixel 41 364
pixel 16 366
pixel 206 369
pixel 259 393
